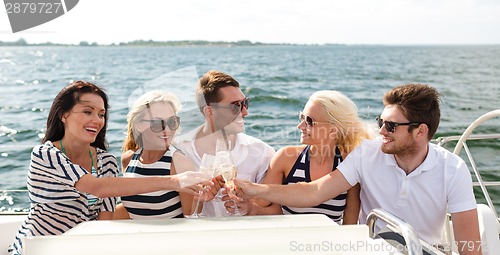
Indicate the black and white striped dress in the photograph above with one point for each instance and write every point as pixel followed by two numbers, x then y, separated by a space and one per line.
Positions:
pixel 164 204
pixel 56 205
pixel 333 208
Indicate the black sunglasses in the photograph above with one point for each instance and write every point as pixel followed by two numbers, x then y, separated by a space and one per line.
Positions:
pixel 309 121
pixel 236 107
pixel 390 126
pixel 158 125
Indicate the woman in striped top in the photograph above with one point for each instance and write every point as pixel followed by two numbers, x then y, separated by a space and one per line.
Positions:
pixel 330 129
pixel 71 177
pixel 152 123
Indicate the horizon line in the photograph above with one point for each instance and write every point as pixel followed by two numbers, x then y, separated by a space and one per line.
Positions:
pixel 142 42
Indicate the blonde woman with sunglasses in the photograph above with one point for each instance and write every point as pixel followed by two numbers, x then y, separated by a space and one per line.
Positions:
pixel 330 129
pixel 147 151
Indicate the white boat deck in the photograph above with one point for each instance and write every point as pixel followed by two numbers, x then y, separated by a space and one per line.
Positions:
pixel 277 234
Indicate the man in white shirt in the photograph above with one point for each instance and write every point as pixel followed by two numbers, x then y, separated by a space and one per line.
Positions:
pixel 402 173
pixel 224 107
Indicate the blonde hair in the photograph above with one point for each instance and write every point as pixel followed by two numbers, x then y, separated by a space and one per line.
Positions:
pixel 343 113
pixel 139 109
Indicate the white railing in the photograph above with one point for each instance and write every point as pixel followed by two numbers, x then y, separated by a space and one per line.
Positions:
pixel 462 143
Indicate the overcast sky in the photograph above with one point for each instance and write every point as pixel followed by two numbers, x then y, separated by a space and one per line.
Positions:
pixel 271 21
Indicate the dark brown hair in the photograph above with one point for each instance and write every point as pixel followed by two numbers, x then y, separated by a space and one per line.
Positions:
pixel 419 103
pixel 68 97
pixel 209 85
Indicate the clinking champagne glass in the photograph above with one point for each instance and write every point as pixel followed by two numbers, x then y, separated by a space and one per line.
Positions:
pixel 207 166
pixel 227 169
pixel 221 145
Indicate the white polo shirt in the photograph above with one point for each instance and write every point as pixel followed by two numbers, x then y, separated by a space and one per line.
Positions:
pixel 250 155
pixel 421 198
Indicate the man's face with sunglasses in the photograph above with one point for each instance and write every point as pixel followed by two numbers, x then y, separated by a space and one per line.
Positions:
pixel 158 126
pixel 393 127
pixel 231 110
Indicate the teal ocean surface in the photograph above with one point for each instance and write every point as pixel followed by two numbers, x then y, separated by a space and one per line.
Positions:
pixel 278 79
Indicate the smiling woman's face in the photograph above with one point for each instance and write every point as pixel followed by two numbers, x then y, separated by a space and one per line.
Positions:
pixel 156 139
pixel 86 118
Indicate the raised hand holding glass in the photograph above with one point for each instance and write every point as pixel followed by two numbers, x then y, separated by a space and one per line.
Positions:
pixel 207 166
pixel 228 170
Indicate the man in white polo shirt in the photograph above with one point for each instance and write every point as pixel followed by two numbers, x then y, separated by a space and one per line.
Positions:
pixel 402 173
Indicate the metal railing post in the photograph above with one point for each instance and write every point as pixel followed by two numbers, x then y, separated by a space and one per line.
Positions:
pixel 413 245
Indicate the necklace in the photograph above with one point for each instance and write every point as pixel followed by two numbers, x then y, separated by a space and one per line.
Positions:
pixel 93 170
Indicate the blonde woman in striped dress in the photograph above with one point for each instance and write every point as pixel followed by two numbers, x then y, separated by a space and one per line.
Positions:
pixel 152 123
pixel 330 129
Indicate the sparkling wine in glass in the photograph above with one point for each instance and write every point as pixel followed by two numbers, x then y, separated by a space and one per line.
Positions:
pixel 228 170
pixel 221 145
pixel 207 166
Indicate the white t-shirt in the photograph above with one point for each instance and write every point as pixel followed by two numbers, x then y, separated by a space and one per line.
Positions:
pixel 421 198
pixel 250 155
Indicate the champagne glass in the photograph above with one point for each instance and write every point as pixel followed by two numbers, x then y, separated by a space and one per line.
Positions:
pixel 221 145
pixel 228 171
pixel 207 166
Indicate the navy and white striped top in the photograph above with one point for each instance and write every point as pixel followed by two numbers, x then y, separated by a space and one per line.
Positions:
pixel 333 208
pixel 56 205
pixel 163 204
